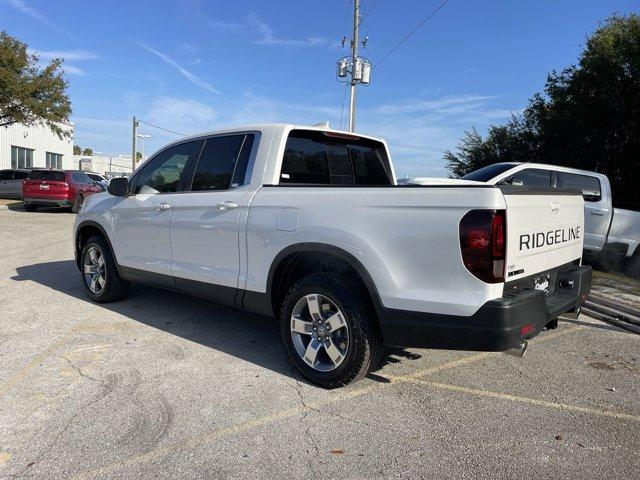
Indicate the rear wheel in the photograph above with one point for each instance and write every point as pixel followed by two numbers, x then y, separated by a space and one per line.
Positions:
pixel 77 205
pixel 29 207
pixel 99 272
pixel 632 267
pixel 329 331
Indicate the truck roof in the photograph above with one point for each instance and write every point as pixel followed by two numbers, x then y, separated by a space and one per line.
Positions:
pixel 551 167
pixel 273 126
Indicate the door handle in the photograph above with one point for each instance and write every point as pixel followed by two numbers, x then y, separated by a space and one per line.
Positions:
pixel 163 206
pixel 597 212
pixel 226 205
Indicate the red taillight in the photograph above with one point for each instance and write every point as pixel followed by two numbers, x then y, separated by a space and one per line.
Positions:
pixel 483 244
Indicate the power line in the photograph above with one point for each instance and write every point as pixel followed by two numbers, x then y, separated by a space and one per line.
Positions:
pixel 160 128
pixel 406 37
pixel 375 2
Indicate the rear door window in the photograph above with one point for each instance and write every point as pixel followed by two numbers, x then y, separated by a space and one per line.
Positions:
pixel 6 175
pixel 320 158
pixel 47 175
pixel 529 177
pixel 588 185
pixel 219 160
pixel 81 177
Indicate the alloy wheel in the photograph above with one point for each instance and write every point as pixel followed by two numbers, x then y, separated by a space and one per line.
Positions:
pixel 94 270
pixel 319 332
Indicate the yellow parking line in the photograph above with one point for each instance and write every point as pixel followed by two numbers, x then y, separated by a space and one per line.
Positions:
pixel 531 401
pixel 24 371
pixel 292 412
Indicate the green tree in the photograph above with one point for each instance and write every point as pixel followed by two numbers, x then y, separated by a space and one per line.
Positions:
pixel 87 151
pixel 138 156
pixel 30 94
pixel 77 150
pixel 588 116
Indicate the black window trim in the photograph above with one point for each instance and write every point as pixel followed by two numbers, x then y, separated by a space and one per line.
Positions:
pixel 191 163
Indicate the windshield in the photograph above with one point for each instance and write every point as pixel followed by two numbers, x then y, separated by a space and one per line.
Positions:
pixel 489 172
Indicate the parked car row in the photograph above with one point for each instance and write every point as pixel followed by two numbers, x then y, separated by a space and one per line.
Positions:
pixel 51 188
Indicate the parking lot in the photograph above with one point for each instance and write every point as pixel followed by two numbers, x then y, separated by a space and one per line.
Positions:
pixel 162 385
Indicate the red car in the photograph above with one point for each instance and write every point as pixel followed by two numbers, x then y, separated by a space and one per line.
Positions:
pixel 57 188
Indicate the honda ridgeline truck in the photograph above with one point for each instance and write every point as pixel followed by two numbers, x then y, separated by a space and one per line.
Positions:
pixel 307 225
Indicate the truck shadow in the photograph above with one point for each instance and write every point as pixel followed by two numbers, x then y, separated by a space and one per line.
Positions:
pixel 250 337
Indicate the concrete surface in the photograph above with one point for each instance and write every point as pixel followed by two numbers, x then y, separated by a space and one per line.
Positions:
pixel 161 385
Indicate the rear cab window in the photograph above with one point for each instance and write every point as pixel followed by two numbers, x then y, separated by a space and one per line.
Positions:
pixel 47 175
pixel 325 158
pixel 6 175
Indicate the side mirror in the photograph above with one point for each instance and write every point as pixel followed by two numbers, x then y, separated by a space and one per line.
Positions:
pixel 119 187
pixel 517 182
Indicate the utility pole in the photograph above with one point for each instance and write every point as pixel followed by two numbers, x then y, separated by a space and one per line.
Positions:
pixel 133 143
pixel 354 68
pixel 354 58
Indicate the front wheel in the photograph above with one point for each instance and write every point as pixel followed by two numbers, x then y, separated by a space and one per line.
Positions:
pixel 329 330
pixel 99 272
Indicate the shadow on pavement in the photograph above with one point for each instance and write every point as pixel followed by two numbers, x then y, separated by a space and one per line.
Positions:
pixel 247 336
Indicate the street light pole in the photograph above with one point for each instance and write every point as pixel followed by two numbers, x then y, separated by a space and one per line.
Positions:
pixel 134 137
pixel 142 137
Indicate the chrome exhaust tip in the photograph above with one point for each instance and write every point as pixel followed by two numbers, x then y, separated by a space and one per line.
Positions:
pixel 518 351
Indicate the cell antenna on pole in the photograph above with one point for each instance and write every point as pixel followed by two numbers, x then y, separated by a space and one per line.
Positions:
pixel 354 68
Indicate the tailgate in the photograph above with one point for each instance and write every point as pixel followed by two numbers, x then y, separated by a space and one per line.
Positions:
pixel 545 229
pixel 46 184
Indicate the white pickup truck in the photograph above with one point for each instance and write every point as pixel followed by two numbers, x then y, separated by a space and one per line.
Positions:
pixel 307 225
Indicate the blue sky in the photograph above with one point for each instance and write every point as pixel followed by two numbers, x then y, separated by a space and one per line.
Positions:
pixel 193 66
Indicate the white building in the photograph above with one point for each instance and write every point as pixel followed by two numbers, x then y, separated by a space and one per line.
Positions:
pixel 104 164
pixel 35 146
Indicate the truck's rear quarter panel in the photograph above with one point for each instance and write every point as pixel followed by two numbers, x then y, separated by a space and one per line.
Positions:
pixel 407 238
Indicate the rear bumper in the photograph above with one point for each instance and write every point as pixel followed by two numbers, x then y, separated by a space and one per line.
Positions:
pixel 55 202
pixel 498 325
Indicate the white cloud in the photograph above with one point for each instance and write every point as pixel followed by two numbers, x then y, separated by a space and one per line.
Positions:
pixel 22 7
pixel 196 80
pixel 266 36
pixel 183 116
pixel 72 70
pixel 452 103
pixel 68 56
pixel 417 137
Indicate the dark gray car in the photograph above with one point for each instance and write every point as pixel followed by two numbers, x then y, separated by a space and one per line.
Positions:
pixel 11 183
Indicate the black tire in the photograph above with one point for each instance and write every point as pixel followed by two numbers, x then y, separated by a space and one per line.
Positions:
pixel 77 205
pixel 364 340
pixel 632 266
pixel 115 287
pixel 29 207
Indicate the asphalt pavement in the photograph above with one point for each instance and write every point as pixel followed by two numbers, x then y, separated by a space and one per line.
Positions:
pixel 161 385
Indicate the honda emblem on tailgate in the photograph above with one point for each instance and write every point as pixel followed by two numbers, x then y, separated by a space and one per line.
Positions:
pixel 555 209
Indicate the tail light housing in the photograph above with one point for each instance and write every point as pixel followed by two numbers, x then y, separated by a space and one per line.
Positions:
pixel 483 243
